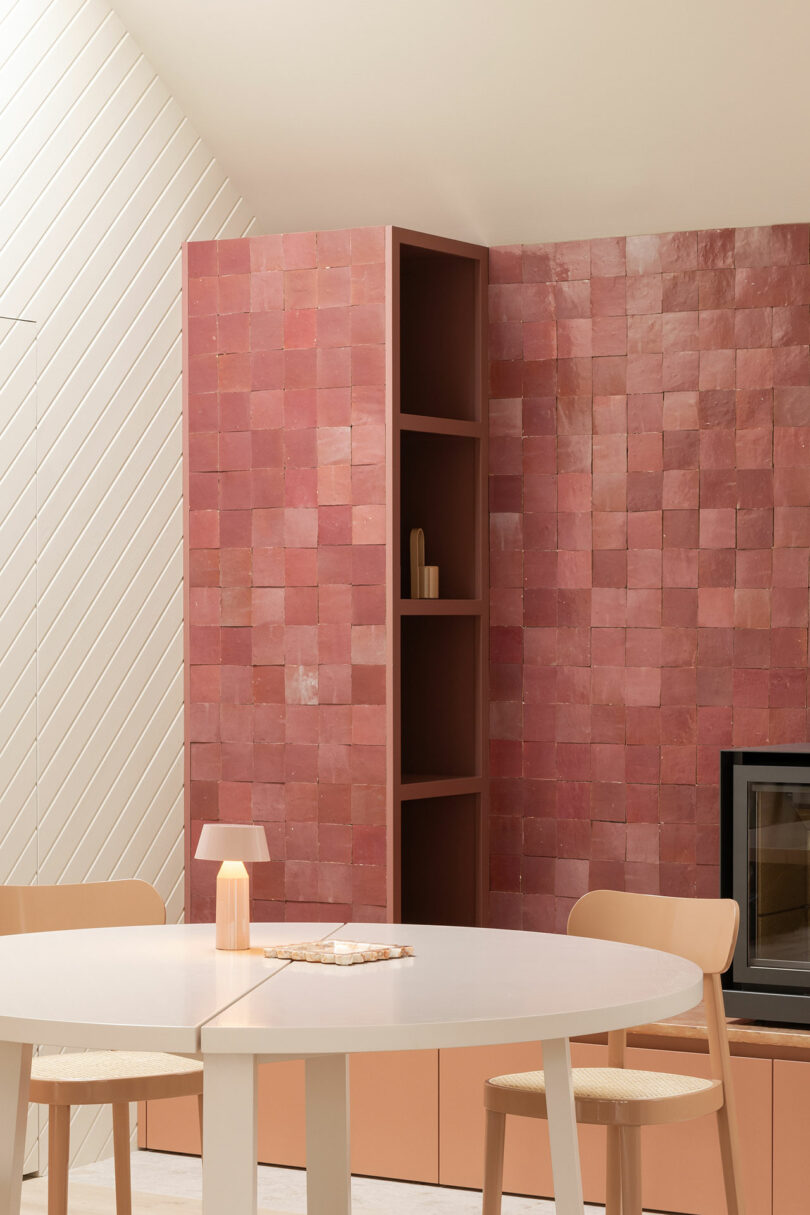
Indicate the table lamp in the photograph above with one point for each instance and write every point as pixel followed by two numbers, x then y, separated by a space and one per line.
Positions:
pixel 233 844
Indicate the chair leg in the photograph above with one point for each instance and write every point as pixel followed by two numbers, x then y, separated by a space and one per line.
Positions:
pixel 121 1151
pixel 58 1157
pixel 730 1156
pixel 493 1163
pixel 200 1119
pixel 613 1195
pixel 631 1170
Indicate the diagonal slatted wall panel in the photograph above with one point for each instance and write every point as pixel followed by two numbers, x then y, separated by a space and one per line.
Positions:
pixel 18 626
pixel 101 180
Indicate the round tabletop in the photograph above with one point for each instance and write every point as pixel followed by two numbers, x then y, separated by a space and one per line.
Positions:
pixel 168 988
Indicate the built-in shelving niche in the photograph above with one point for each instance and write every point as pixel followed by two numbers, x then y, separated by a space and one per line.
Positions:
pixel 440 675
pixel 438 333
pixel 439 798
pixel 440 860
pixel 438 485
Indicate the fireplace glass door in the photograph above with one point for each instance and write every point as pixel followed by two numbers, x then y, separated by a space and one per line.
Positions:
pixel 775 853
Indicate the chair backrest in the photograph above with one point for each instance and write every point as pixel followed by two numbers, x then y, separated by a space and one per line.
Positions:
pixel 702 930
pixel 89 905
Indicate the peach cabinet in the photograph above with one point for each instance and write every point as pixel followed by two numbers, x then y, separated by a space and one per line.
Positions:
pixel 527 1163
pixel 395 1116
pixel 791 1119
pixel 698 1189
pixel 418 1116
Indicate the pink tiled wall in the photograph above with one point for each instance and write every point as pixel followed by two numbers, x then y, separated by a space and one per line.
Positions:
pixel 286 564
pixel 650 498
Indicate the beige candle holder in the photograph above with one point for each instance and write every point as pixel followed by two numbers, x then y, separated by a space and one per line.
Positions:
pixel 430 582
pixel 424 578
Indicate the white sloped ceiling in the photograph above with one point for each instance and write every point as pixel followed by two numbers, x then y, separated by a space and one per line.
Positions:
pixel 496 120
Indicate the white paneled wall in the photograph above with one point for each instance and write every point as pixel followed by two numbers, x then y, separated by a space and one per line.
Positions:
pixel 101 180
pixel 18 622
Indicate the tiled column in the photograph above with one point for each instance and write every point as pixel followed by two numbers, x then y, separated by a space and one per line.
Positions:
pixel 286 564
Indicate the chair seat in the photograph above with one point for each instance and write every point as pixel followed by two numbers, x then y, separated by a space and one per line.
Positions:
pixel 610 1095
pixel 611 1084
pixel 102 1076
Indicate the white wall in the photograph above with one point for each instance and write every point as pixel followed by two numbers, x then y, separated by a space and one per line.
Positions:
pixel 101 180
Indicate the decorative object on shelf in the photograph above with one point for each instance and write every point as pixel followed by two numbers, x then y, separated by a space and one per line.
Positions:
pixel 417 561
pixel 338 953
pixel 424 578
pixel 430 582
pixel 233 844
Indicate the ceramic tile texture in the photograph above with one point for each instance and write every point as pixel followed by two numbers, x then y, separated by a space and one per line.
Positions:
pixel 158 1177
pixel 650 544
pixel 286 564
pixel 650 535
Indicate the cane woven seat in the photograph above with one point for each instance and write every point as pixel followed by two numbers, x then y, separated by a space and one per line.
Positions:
pixel 98 1077
pixel 109 1065
pixel 611 1084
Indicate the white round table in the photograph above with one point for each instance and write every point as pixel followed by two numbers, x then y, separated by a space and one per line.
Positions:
pixel 167 988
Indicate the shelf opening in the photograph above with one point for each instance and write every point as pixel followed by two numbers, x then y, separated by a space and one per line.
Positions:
pixel 439 695
pixel 438 492
pixel 439 860
pixel 438 334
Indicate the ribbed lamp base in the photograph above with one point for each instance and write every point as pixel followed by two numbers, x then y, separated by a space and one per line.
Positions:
pixel 233 906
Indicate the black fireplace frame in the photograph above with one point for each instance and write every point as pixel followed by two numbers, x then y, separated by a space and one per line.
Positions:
pixel 764 1000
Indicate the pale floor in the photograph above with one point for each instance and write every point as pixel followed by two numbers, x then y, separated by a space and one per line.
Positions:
pixel 170 1185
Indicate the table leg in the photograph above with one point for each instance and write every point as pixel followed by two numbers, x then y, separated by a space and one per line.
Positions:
pixel 562 1128
pixel 328 1163
pixel 15 1074
pixel 230 1147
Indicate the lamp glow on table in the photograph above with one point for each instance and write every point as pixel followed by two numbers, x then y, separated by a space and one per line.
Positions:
pixel 233 844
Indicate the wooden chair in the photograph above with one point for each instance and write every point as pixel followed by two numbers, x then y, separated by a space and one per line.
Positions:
pixel 623 1100
pixel 96 1077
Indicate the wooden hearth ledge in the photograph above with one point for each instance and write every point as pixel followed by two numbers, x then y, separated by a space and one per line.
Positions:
pixel 688 1032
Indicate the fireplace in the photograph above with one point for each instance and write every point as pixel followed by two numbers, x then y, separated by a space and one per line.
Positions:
pixel 765 866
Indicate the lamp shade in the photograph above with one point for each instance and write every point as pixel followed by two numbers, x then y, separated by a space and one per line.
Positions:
pixel 232 842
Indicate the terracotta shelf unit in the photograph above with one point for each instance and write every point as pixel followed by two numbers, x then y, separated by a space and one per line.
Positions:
pixel 437 648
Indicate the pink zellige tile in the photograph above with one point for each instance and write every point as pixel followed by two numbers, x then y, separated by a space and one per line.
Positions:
pixel 716 288
pixel 608 257
pixel 573 299
pixel 368 245
pixel 609 335
pixel 717 369
pixel 679 291
pixel 753 327
pixel 334 248
pixel 678 251
pixel 752 247
pixel 791 326
pixel 299 250
pixel 643 254
pixel 789 244
pixel 608 296
pixel 506 264
pixel 571 260
pixel 644 294
pixel 754 368
pixel 791 366
pixel 715 248
pixel 540 341
pixel 680 331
